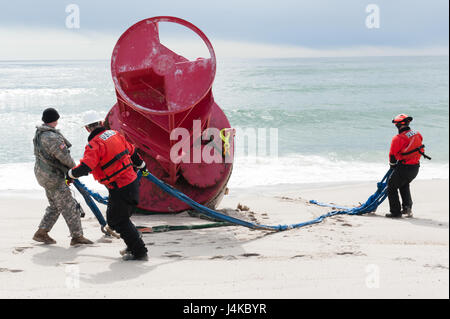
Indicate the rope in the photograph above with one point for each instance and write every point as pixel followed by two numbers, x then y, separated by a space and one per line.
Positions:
pixel 164 228
pixel 369 206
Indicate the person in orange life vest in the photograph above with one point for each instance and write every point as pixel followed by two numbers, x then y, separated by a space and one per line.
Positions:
pixel 111 158
pixel 404 156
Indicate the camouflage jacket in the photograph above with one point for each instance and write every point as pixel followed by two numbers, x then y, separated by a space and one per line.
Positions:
pixel 53 160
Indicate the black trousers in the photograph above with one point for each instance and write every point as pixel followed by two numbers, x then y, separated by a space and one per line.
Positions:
pixel 400 179
pixel 121 203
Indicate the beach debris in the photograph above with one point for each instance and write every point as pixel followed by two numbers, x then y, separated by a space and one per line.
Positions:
pixel 242 208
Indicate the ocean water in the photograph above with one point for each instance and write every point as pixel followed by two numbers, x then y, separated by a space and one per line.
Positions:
pixel 333 115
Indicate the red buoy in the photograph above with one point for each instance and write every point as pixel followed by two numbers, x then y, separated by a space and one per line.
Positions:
pixel 159 91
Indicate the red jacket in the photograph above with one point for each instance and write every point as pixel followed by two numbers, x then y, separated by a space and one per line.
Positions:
pixel 405 147
pixel 108 156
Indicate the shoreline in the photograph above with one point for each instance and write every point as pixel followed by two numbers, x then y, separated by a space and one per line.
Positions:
pixel 343 257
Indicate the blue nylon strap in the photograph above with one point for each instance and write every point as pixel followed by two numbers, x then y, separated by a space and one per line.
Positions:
pixel 369 206
pixel 87 198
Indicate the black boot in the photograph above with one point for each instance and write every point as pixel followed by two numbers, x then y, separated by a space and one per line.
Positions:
pixel 129 256
pixel 390 215
pixel 407 212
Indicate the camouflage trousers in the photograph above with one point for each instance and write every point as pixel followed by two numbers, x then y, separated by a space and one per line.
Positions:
pixel 61 202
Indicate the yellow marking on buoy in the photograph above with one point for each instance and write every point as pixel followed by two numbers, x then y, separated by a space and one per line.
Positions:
pixel 226 141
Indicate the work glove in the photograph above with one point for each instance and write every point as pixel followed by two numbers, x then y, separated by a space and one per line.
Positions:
pixel 69 180
pixel 144 170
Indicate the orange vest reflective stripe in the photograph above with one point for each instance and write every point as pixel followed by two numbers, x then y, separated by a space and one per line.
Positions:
pixel 116 161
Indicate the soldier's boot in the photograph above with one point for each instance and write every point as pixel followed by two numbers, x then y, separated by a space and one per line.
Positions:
pixel 80 240
pixel 42 236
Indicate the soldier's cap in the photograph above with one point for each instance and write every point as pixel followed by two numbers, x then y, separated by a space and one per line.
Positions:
pixel 50 115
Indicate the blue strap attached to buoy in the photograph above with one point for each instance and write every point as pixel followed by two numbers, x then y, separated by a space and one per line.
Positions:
pixel 369 206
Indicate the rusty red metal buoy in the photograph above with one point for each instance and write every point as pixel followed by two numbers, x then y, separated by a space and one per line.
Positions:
pixel 157 92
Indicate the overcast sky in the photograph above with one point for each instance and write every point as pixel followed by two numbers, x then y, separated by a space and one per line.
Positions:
pixel 37 29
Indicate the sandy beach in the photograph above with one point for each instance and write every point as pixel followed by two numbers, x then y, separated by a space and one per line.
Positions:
pixel 343 257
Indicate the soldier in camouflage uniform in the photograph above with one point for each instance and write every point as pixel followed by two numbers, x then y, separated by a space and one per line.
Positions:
pixel 53 160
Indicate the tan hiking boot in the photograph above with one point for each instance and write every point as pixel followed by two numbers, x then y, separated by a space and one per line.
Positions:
pixel 81 240
pixel 42 236
pixel 124 251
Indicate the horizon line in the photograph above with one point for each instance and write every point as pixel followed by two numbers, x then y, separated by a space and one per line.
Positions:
pixel 251 58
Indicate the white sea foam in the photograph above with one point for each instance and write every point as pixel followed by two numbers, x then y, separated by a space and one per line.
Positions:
pixel 299 169
pixel 20 177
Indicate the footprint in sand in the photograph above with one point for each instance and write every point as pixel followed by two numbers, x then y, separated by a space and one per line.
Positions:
pixel 172 255
pixel 404 259
pixel 249 255
pixel 345 253
pixel 105 240
pixel 18 250
pixel 354 253
pixel 437 266
pixel 67 263
pixel 230 257
pixel 10 270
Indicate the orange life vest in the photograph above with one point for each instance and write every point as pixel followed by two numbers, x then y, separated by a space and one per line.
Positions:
pixel 114 158
pixel 411 147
